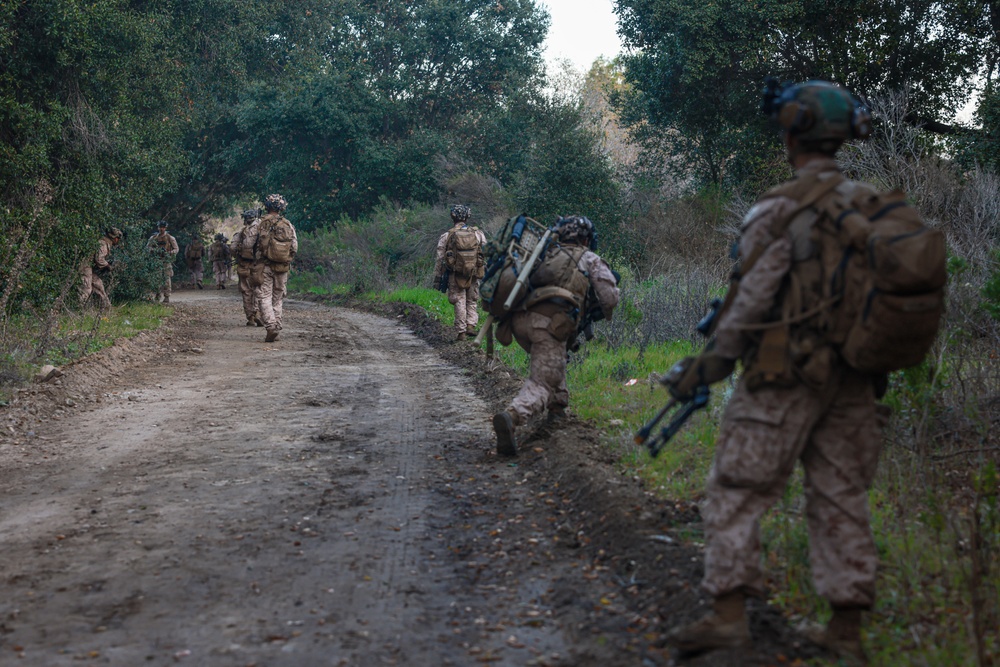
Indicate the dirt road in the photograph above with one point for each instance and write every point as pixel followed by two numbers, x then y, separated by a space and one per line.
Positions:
pixel 200 497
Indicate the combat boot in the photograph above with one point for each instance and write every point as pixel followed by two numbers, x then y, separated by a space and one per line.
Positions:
pixel 557 413
pixel 460 337
pixel 166 299
pixel 841 636
pixel 259 322
pixel 272 335
pixel 725 627
pixel 471 333
pixel 503 425
pixel 251 323
pixel 200 286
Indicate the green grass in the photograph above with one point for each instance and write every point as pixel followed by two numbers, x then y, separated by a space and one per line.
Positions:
pixel 27 345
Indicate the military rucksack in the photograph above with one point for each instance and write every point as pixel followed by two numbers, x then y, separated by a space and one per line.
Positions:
pixel 194 250
pixel 867 283
pixel 275 242
pixel 463 255
pixel 220 252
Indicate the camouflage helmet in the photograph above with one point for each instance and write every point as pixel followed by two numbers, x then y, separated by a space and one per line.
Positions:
pixel 162 224
pixel 817 111
pixel 576 229
pixel 275 203
pixel 220 237
pixel 460 212
pixel 250 214
pixel 113 233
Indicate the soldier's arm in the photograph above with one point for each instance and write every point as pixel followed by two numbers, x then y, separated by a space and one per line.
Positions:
pixel 603 281
pixel 173 249
pixel 439 256
pixel 101 256
pixel 759 286
pixel 295 240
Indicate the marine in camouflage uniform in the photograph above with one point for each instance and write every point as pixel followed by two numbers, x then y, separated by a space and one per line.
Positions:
pixel 220 260
pixel 463 291
pixel 90 281
pixel 242 248
pixel 164 247
pixel 545 328
pixel 831 428
pixel 274 282
pixel 192 255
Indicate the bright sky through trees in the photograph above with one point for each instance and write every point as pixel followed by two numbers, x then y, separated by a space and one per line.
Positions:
pixel 581 31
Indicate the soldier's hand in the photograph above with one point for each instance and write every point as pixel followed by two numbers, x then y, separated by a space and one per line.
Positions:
pixel 437 283
pixel 692 372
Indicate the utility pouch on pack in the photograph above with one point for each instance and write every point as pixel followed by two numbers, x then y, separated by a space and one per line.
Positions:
pixel 256 276
pixel 242 270
pixel 561 326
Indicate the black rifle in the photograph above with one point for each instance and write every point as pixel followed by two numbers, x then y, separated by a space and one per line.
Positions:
pixel 442 285
pixel 687 408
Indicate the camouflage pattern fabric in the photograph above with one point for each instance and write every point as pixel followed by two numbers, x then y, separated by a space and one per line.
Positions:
pixel 833 431
pixel 835 435
pixel 545 387
pixel 166 247
pixel 90 283
pixel 270 296
pixel 464 300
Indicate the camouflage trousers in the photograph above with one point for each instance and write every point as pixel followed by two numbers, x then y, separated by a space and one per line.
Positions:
pixel 546 383
pixel 834 433
pixel 270 296
pixel 92 284
pixel 167 273
pixel 247 292
pixel 221 272
pixel 464 299
pixel 197 271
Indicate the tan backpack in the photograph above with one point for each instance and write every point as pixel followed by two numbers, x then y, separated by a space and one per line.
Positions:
pixel 275 242
pixel 463 255
pixel 867 283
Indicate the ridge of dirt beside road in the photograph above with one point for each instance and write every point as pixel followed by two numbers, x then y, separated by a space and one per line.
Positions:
pixel 152 522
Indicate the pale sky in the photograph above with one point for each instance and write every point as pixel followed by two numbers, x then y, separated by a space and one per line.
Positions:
pixel 581 30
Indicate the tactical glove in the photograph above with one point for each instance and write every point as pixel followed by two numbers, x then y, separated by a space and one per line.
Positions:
pixel 692 372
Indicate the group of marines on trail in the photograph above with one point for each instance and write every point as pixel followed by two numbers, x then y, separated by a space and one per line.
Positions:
pixel 264 250
pixel 835 284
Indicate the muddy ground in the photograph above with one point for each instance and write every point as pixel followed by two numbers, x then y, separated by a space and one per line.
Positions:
pixel 196 496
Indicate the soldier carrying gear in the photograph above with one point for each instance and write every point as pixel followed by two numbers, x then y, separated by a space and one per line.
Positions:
pixel 99 263
pixel 275 250
pixel 193 254
pixel 244 242
pixel 458 267
pixel 546 320
pixel 221 255
pixel 800 397
pixel 164 247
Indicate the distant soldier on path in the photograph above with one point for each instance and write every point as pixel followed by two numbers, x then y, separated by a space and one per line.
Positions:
pixel 164 248
pixel 277 244
pixel 548 319
pixel 96 264
pixel 193 253
pixel 242 248
pixel 220 260
pixel 459 260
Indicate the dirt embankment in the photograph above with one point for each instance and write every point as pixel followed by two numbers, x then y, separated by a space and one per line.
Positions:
pixel 196 496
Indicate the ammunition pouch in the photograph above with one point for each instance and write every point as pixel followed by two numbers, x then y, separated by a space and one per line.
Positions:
pixel 242 270
pixel 770 364
pixel 256 275
pixel 505 332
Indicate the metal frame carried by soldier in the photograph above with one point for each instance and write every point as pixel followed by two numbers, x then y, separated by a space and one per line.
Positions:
pixel 99 263
pixel 816 326
pixel 164 247
pixel 549 317
pixel 274 250
pixel 458 268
